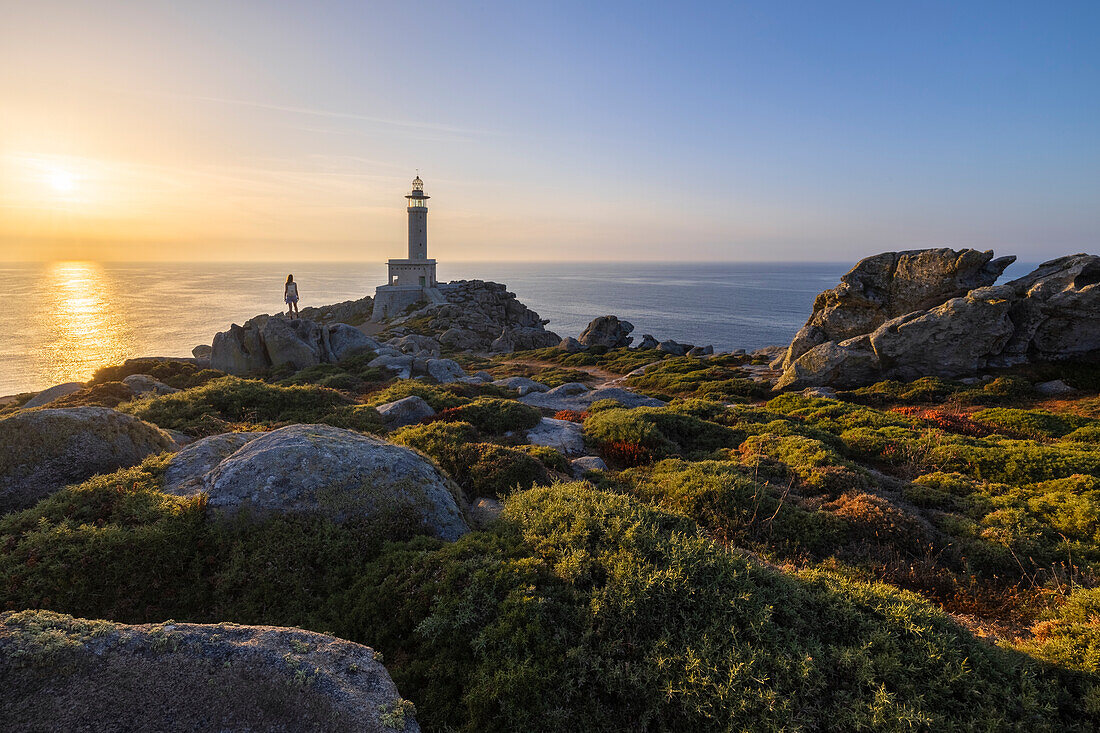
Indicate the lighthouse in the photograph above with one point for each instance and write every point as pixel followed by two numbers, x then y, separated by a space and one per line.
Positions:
pixel 411 280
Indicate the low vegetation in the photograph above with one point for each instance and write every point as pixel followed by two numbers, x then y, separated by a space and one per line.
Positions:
pixel 921 556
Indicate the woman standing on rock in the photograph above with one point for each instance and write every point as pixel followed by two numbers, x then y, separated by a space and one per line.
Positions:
pixel 290 295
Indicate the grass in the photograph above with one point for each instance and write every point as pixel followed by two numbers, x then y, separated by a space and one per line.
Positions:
pixel 718 378
pixel 619 361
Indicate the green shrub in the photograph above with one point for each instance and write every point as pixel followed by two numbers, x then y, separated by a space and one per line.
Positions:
pixel 178 374
pixel 580 610
pixel 481 469
pixel 1070 636
pixel 816 465
pixel 493 416
pixel 619 361
pixel 439 397
pixel 665 431
pixel 733 506
pixel 547 456
pixel 720 378
pixel 1036 424
pixel 227 402
pixel 607 404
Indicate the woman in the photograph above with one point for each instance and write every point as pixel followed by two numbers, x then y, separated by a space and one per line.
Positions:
pixel 290 295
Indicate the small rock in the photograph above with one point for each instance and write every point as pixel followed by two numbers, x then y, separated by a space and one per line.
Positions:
pixel 827 393
pixel 523 385
pixel 1054 388
pixel 406 411
pixel 585 464
pixel 202 352
pixel 648 342
pixel 402 365
pixel 673 348
pixel 485 511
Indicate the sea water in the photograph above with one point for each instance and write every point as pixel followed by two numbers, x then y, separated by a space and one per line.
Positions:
pixel 61 321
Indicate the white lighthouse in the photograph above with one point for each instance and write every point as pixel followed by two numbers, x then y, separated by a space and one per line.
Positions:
pixel 411 280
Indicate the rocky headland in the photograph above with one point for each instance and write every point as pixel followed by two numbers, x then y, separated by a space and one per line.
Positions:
pixel 522 531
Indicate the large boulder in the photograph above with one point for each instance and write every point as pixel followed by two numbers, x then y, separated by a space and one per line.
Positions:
pixel 46 449
pixel 345 341
pixel 294 342
pixel 69 674
pixel 47 396
pixel 567 437
pixel 444 371
pixel 406 411
pixel 889 285
pixel 607 331
pixel 336 473
pixel 186 471
pixel 239 350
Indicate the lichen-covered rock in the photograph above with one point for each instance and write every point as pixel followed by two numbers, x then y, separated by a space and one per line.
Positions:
pixel 567 437
pixel 294 342
pixel 406 411
pixel 143 385
pixel 889 285
pixel 63 673
pixel 477 313
pixel 571 345
pixel 955 339
pixel 46 449
pixel 238 350
pixel 186 472
pixel 1052 313
pixel 444 371
pixel 607 331
pixel 339 474
pixel 47 396
pixel 345 341
pixel 846 364
pixel 351 312
pixel 577 396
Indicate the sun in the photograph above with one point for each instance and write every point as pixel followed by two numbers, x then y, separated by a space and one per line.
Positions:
pixel 62 181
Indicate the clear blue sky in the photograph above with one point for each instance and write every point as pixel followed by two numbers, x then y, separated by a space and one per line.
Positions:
pixel 710 131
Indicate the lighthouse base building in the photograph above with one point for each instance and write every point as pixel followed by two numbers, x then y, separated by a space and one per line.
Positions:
pixel 411 280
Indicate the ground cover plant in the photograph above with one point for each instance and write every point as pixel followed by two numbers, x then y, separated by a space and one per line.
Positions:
pixel 618 361
pixel 229 403
pixel 716 378
pixel 582 609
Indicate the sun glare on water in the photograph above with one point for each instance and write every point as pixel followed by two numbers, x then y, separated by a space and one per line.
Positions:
pixel 84 330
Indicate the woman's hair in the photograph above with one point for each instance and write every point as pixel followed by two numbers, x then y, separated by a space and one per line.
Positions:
pixel 290 278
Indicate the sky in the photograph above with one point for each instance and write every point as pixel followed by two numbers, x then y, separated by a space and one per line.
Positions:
pixel 724 131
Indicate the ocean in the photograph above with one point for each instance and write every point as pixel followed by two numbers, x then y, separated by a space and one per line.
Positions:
pixel 63 320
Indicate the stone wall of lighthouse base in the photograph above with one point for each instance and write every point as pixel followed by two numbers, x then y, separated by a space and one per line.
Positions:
pixel 391 301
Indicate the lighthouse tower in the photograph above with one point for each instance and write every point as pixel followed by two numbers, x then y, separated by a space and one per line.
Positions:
pixel 411 280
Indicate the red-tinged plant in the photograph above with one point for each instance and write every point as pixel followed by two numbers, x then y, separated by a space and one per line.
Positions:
pixel 627 453
pixel 571 415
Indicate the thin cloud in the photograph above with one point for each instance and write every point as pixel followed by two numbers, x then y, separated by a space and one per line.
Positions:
pixel 332 114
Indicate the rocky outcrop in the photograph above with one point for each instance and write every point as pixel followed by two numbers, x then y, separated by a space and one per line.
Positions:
pixel 186 471
pixel 350 312
pixel 577 396
pixel 267 341
pixel 607 331
pixel 46 449
pixel 336 473
pixel 64 673
pixel 892 284
pixel 648 341
pixel 1050 314
pixel 477 313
